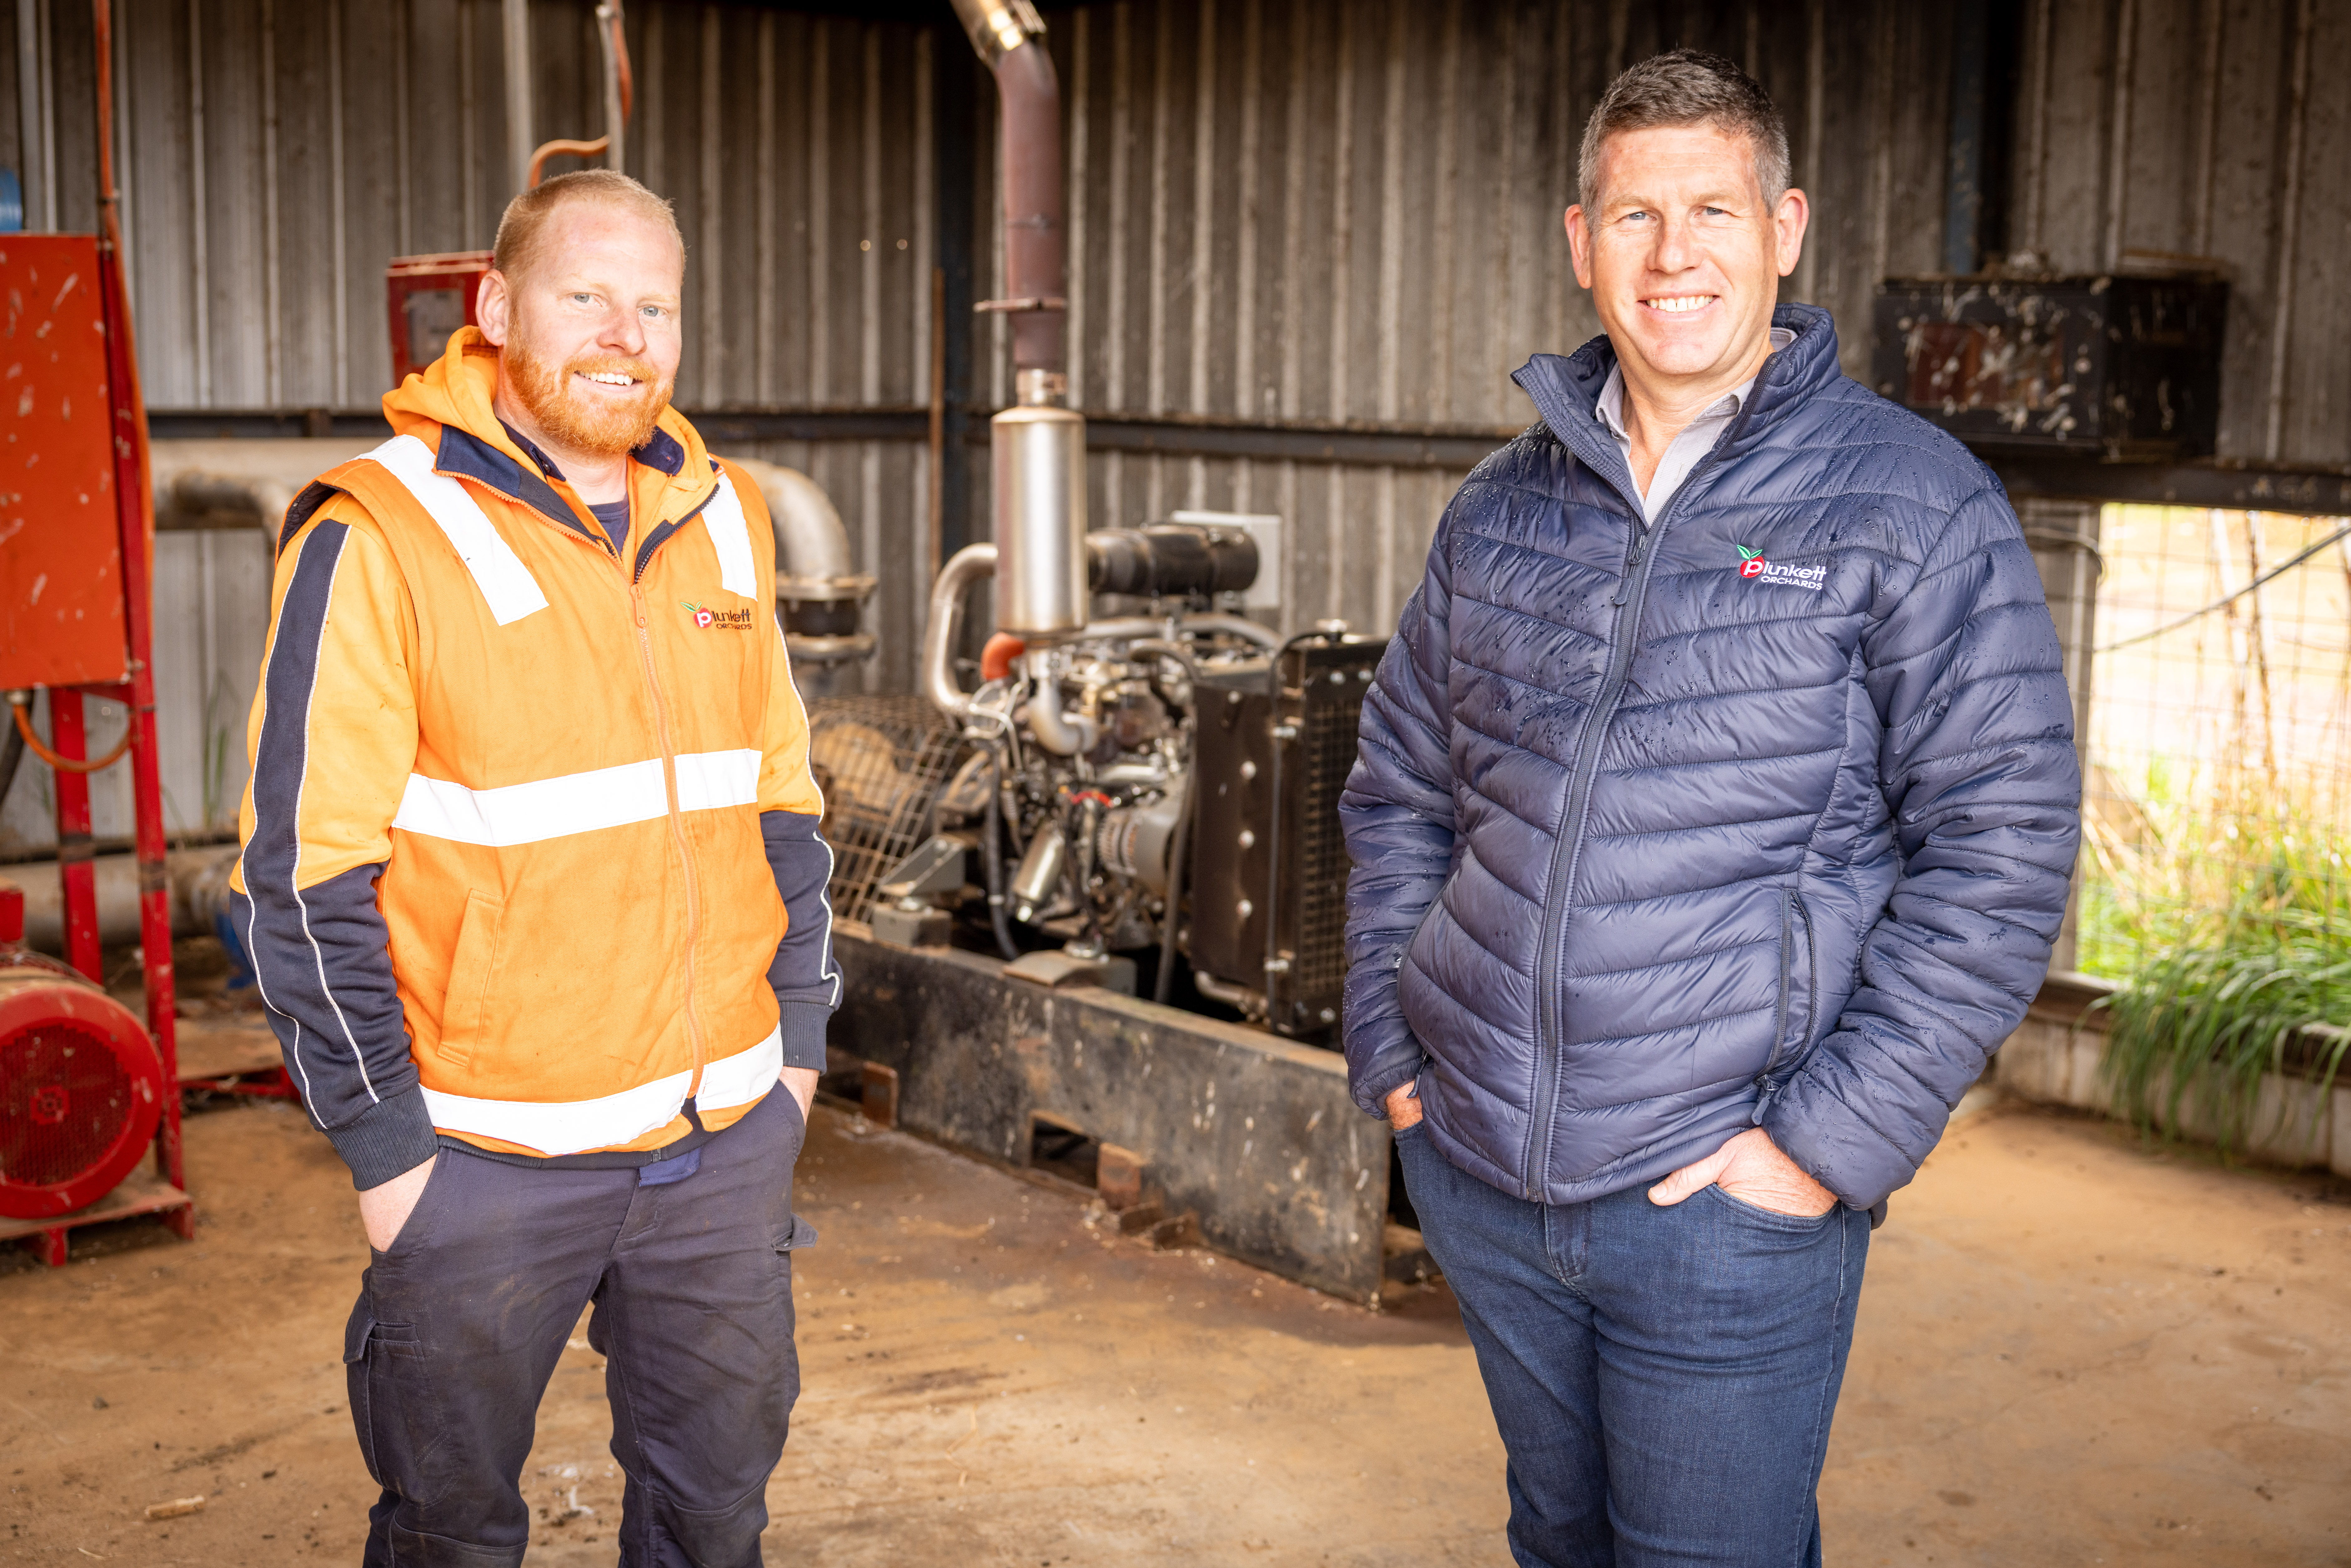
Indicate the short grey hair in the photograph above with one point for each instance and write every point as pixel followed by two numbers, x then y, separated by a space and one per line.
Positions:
pixel 1688 86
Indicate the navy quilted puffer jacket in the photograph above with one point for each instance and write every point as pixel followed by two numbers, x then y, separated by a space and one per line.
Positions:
pixel 1761 815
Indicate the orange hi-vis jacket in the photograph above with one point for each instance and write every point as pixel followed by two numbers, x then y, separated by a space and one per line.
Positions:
pixel 530 850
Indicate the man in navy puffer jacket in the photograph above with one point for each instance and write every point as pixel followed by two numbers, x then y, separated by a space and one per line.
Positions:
pixel 1713 821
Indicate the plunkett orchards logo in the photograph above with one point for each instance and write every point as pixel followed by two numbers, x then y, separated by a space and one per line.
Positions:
pixel 724 619
pixel 1755 569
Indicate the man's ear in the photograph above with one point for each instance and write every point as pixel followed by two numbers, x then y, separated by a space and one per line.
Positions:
pixel 1579 245
pixel 493 308
pixel 1789 220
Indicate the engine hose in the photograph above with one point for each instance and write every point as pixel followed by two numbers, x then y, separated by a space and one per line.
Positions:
pixel 1161 984
pixel 12 752
pixel 66 764
pixel 991 857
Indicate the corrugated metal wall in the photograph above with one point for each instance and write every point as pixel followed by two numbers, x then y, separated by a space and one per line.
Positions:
pixel 1347 211
pixel 2217 130
pixel 1302 213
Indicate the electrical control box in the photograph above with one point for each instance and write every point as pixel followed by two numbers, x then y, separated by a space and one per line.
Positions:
pixel 2119 367
pixel 61 600
pixel 428 298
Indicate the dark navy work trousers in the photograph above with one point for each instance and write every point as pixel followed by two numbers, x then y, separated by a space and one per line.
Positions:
pixel 459 1326
pixel 1663 1378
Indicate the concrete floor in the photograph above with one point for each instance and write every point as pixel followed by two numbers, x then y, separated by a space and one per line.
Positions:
pixel 2071 1351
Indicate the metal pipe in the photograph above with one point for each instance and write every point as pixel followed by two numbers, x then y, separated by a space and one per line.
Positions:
pixel 1009 38
pixel 1063 735
pixel 239 482
pixel 821 592
pixel 198 880
pixel 1037 456
pixel 518 139
pixel 963 569
pixel 813 559
pixel 1251 1004
pixel 616 93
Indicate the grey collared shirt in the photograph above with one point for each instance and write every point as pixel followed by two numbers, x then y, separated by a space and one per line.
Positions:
pixel 1695 440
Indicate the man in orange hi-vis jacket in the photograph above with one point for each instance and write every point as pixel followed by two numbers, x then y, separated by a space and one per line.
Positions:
pixel 533 887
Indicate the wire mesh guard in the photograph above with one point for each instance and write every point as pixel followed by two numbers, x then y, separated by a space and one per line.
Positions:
pixel 2219 743
pixel 880 762
pixel 66 1100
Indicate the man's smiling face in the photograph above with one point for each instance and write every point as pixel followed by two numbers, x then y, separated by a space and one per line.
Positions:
pixel 589 333
pixel 1683 254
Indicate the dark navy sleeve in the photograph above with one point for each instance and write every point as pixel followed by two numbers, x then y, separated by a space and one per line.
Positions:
pixel 308 917
pixel 1979 769
pixel 805 979
pixel 1397 813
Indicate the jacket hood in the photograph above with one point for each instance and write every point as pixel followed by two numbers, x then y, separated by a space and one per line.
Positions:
pixel 453 394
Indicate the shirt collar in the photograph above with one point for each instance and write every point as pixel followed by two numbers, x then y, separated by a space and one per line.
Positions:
pixel 1610 405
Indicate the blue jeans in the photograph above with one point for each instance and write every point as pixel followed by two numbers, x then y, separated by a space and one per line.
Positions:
pixel 1663 1378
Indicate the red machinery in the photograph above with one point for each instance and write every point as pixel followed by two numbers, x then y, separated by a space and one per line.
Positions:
pixel 82 1086
pixel 428 298
pixel 77 550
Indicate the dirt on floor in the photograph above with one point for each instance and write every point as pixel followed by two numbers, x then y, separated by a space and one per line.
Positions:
pixel 2072 1349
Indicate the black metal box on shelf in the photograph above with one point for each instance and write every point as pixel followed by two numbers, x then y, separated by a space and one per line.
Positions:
pixel 1268 865
pixel 2123 367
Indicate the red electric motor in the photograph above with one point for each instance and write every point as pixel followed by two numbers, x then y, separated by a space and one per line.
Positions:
pixel 82 1086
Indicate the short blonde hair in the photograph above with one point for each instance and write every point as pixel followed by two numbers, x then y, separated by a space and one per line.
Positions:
pixel 518 244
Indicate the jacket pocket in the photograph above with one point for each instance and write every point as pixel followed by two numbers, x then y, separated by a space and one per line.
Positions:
pixel 471 977
pixel 1410 953
pixel 1792 1031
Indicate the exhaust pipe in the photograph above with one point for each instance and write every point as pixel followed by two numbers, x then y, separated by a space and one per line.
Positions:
pixel 1036 448
pixel 817 582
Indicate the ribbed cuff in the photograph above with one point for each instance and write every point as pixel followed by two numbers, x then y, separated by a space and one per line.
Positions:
pixel 1373 1092
pixel 387 1138
pixel 802 1026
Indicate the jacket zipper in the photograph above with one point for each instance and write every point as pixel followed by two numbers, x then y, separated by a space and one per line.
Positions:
pixel 676 828
pixel 632 572
pixel 1797 919
pixel 669 784
pixel 1631 597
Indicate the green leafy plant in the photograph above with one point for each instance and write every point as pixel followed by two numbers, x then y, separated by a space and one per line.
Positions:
pixel 2261 984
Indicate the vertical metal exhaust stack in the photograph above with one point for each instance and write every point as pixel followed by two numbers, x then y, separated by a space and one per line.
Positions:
pixel 1036 448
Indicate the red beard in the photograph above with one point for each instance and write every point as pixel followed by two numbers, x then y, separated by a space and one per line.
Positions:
pixel 587 421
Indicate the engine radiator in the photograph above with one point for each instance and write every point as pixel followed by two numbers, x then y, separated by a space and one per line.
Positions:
pixel 1269 864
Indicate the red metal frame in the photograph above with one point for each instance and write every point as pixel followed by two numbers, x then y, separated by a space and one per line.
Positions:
pixel 69 739
pixel 146 777
pixel 134 522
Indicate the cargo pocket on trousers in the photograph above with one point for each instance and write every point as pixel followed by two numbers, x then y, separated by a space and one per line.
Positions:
pixel 384 1367
pixel 799 1234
